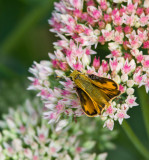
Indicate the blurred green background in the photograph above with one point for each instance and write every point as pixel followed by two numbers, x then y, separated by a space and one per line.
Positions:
pixel 24 38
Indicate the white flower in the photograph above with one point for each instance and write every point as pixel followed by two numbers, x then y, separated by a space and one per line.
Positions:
pixel 109 124
pixel 130 91
pixel 120 115
pixel 131 101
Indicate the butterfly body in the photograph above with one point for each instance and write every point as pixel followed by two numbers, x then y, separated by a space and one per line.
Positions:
pixel 93 92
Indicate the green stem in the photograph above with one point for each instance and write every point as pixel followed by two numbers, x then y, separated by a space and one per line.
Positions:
pixel 144 102
pixel 29 21
pixel 134 139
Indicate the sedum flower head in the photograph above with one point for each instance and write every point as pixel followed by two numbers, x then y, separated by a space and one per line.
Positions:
pixel 24 135
pixel 83 26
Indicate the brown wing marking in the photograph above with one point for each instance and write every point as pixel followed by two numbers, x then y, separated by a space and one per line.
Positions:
pixel 89 106
pixel 108 86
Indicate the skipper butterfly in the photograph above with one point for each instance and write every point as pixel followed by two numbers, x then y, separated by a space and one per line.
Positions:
pixel 95 92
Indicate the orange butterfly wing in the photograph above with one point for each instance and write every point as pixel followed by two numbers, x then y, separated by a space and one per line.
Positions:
pixel 108 86
pixel 89 106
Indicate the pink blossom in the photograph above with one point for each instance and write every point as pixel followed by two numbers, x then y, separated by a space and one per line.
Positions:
pixel 131 101
pixel 126 68
pixel 139 58
pixel 120 115
pixel 94 12
pixel 139 11
pixel 96 62
pixel 138 78
pixel 127 29
pixel 130 8
pixel 77 66
pixel 35 158
pixel 109 124
pixel 146 63
pixel 36 82
pixel 146 44
pixel 119 28
pixel 107 18
pixel 114 65
pixel 105 66
pixel 103 5
pixel 143 20
pixel 118 20
pixel 121 88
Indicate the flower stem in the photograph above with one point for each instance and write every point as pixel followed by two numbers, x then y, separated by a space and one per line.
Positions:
pixel 144 102
pixel 134 139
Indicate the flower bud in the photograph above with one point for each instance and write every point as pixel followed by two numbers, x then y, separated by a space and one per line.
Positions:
pixel 96 63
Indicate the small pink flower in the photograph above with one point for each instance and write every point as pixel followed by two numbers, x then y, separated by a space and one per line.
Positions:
pixel 103 5
pixel 109 124
pixel 55 63
pixel 78 66
pixel 139 58
pixel 108 35
pixel 127 29
pixel 107 18
pixel 53 150
pixel 96 63
pixel 68 83
pixel 139 11
pixel 114 65
pixel 118 21
pixel 130 8
pixel 120 115
pixel 41 137
pixel 22 129
pixel 78 149
pixel 131 101
pixel 77 4
pixel 101 39
pixel 59 108
pixel 146 63
pixel 144 20
pixel 121 88
pixel 45 94
pixel 138 78
pixel 109 112
pixel 105 66
pixel 36 82
pixel 101 24
pixel 77 13
pixel 35 158
pixel 115 53
pixel 114 11
pixel 119 28
pixel 94 12
pixel 146 45
pixel 127 68
pixel 65 92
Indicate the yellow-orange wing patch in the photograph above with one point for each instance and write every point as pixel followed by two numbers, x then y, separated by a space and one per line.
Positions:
pixel 108 86
pixel 89 107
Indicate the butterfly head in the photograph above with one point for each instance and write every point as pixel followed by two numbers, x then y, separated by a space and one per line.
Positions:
pixel 75 74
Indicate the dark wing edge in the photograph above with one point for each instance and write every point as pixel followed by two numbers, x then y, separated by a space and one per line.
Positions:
pixel 86 103
pixel 111 91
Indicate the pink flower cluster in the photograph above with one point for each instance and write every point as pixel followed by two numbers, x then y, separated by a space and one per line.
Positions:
pixel 82 25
